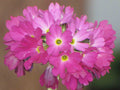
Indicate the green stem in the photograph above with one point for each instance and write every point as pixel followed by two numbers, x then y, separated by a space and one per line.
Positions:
pixel 49 88
pixel 52 89
pixel 63 27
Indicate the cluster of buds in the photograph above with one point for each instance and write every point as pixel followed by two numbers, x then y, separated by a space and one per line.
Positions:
pixel 75 50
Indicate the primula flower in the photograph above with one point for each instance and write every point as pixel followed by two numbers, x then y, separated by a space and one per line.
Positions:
pixel 32 12
pixel 11 61
pixel 92 58
pixel 103 60
pixel 44 22
pixel 18 33
pixel 71 82
pixel 30 47
pixel 58 41
pixel 20 71
pixel 48 79
pixel 14 63
pixel 81 23
pixel 14 21
pixel 82 74
pixel 56 10
pixel 74 49
pixel 96 40
pixel 77 41
pixel 79 29
pixel 59 16
pixel 25 28
pixel 63 62
pixel 108 33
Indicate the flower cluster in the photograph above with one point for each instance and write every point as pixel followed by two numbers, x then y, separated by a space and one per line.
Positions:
pixel 75 50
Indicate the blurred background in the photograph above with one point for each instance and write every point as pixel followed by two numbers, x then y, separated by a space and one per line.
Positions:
pixel 95 9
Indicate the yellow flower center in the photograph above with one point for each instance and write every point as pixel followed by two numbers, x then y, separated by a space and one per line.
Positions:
pixel 38 49
pixel 47 30
pixel 83 55
pixel 58 42
pixel 32 36
pixel 73 41
pixel 64 58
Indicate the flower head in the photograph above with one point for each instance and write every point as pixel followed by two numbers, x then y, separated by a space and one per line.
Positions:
pixel 75 50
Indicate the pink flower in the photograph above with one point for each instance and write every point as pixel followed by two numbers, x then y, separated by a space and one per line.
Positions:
pixel 82 74
pixel 48 79
pixel 14 21
pixel 10 24
pixel 44 22
pixel 59 16
pixel 14 37
pixel 77 40
pixel 108 33
pixel 29 47
pixel 56 10
pixel 96 39
pixel 81 23
pixel 25 36
pixel 104 59
pixel 64 61
pixel 89 58
pixel 20 69
pixel 68 15
pixel 32 12
pixel 85 80
pixel 25 28
pixel 58 41
pixel 103 35
pixel 11 61
pixel 71 82
pixel 14 63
